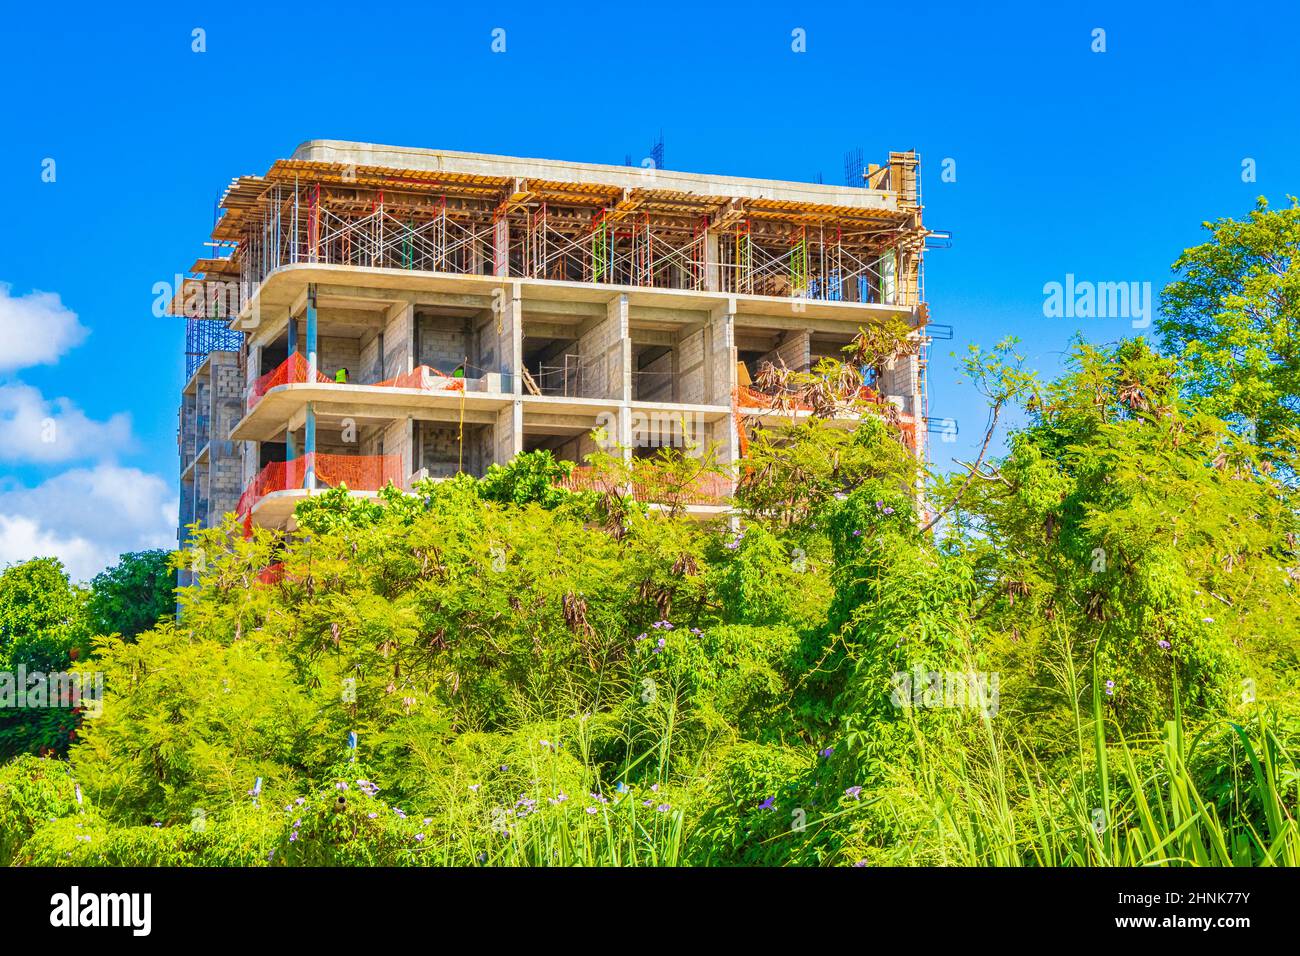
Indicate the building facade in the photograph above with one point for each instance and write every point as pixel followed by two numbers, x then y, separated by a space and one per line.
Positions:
pixel 407 313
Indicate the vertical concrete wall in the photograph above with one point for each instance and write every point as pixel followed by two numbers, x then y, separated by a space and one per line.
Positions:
pixel 605 351
pixel 501 338
pixel 654 381
pixel 369 368
pixel 397 441
pixel 795 352
pixel 508 433
pixel 443 342
pixel 900 379
pixel 225 466
pixel 442 452
pixel 720 355
pixel 399 332
pixel 336 352
pixel 690 367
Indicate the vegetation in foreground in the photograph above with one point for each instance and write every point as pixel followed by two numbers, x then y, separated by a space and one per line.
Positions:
pixel 1085 654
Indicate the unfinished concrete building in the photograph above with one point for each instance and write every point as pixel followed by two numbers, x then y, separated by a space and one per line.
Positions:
pixel 402 313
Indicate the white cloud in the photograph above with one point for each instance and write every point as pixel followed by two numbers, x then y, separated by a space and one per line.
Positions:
pixel 87 517
pixel 35 329
pixel 34 429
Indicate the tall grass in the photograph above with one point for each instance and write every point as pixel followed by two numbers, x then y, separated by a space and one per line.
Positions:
pixel 986 804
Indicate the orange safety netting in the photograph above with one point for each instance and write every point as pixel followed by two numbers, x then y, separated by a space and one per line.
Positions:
pixel 749 397
pixel 292 371
pixel 708 488
pixel 358 472
pixel 422 376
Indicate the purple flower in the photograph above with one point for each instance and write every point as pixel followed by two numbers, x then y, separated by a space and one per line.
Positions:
pixel 880 504
pixel 1164 645
pixel 419 838
pixel 641 637
pixel 293 837
pixel 767 804
pixel 372 815
pixel 1110 688
pixel 860 863
pixel 857 534
pixel 593 809
pixel 696 631
pixel 853 792
pixel 663 808
pixel 889 511
pixel 826 753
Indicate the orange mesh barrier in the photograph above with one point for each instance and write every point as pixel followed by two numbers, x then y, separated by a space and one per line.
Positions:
pixel 276 476
pixel 749 397
pixel 422 376
pixel 292 371
pixel 707 489
pixel 358 472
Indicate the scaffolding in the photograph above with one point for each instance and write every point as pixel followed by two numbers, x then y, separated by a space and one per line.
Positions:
pixel 649 237
pixel 205 336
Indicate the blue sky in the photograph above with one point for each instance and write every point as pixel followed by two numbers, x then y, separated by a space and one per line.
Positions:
pixel 1101 165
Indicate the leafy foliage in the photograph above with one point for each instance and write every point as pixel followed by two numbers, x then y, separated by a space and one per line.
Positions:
pixel 1079 652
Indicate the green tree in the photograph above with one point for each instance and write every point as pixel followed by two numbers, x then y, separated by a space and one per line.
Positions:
pixel 133 595
pixel 42 631
pixel 1233 315
pixel 42 614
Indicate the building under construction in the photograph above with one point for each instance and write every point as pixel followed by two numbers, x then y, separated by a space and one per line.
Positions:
pixel 375 313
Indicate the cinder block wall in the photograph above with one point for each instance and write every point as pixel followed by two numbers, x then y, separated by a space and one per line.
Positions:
pixel 795 352
pixel 441 450
pixel 690 368
pixel 336 352
pixel 443 342
pixel 654 382
pixel 368 370
pixel 397 342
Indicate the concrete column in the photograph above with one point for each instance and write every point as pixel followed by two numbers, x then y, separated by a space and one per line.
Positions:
pixel 625 432
pixel 620 350
pixel 501 247
pixel 510 337
pixel 309 448
pixel 712 260
pixel 311 333
pixel 720 354
pixel 508 435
